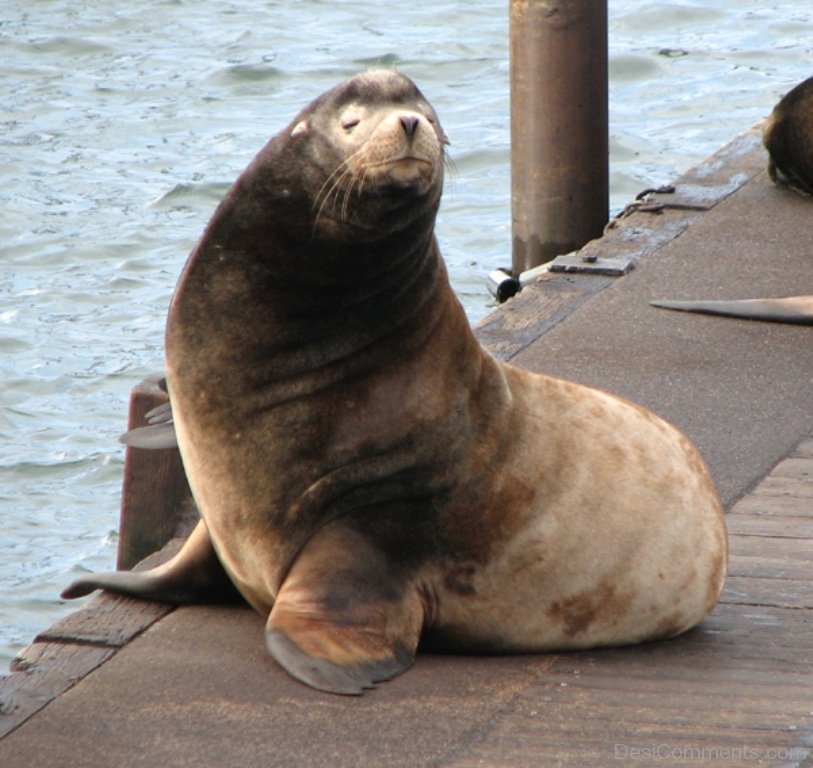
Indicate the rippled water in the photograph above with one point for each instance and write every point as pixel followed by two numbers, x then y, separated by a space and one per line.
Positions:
pixel 123 124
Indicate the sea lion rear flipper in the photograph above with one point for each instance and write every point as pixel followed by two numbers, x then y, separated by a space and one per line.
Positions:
pixel 193 575
pixel 793 309
pixel 344 619
pixel 158 434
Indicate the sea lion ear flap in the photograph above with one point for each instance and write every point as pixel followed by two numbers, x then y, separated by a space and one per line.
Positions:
pixel 300 128
pixel 341 622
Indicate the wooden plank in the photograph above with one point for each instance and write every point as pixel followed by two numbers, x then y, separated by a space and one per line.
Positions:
pixel 779 526
pixel 768 567
pixel 683 674
pixel 534 311
pixel 74 646
pixel 562 719
pixel 770 557
pixel 800 468
pixel 767 504
pixel 625 242
pixel 41 672
pixel 763 632
pixel 791 549
pixel 113 620
pixel 106 620
pixel 782 593
pixel 779 485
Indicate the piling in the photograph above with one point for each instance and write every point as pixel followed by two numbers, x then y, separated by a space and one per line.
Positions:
pixel 559 127
pixel 154 489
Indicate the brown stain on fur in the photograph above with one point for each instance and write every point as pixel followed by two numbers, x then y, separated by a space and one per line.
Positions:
pixel 580 612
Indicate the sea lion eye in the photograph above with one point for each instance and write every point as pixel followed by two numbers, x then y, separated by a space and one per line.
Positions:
pixel 350 123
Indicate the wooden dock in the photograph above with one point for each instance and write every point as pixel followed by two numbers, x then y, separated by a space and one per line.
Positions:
pixel 126 683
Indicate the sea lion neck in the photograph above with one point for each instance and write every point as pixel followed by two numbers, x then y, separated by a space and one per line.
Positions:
pixel 287 329
pixel 301 268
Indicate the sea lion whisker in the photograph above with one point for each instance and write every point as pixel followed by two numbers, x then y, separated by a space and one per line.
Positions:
pixel 450 165
pixel 341 170
pixel 346 191
pixel 335 181
pixel 329 185
pixel 358 181
pixel 334 192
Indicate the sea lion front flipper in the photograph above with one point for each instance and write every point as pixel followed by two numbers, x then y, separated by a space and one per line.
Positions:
pixel 344 619
pixel 193 575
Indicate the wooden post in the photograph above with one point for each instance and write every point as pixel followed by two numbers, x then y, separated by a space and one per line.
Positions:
pixel 155 489
pixel 559 135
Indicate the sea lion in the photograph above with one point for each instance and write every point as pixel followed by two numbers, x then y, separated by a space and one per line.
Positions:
pixel 788 137
pixel 368 476
pixel 793 309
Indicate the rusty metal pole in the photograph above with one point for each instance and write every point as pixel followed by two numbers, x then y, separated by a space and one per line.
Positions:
pixel 559 134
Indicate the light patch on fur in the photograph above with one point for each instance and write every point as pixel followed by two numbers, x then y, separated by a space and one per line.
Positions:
pixel 300 128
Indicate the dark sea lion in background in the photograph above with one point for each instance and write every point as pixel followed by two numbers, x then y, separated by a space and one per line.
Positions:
pixel 788 137
pixel 794 309
pixel 368 476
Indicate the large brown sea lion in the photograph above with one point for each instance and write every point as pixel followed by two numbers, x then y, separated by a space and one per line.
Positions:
pixel 368 476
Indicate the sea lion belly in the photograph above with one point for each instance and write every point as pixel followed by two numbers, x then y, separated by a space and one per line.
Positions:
pixel 622 538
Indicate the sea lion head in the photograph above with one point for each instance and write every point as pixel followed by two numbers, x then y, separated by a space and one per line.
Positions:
pixel 788 137
pixel 374 150
pixel 350 187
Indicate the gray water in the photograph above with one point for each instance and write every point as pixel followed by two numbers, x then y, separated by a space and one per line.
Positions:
pixel 124 123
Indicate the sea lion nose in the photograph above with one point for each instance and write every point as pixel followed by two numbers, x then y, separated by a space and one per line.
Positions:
pixel 409 124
